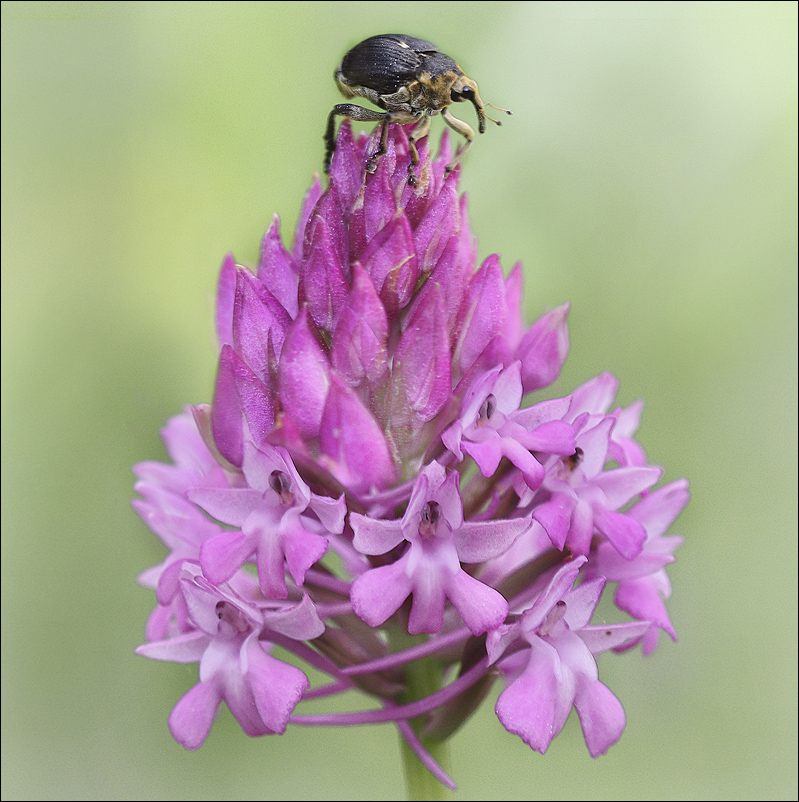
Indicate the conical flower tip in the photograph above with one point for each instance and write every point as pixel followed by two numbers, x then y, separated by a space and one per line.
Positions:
pixel 367 468
pixel 381 290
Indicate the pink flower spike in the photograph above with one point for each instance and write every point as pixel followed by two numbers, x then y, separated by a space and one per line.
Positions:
pixel 369 469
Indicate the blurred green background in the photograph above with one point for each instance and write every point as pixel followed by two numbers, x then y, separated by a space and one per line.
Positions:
pixel 648 176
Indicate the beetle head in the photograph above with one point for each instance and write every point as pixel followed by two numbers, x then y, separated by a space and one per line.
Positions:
pixel 466 89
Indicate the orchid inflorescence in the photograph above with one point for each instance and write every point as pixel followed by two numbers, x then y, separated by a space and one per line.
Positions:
pixel 367 493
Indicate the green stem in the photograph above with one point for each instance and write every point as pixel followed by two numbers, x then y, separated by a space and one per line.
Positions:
pixel 423 677
pixel 421 784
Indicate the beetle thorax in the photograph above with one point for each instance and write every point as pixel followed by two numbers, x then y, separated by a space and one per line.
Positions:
pixel 432 94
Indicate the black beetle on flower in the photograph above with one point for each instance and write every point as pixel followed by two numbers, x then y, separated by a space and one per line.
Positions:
pixel 412 80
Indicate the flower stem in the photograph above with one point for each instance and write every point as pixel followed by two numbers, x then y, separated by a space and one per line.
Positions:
pixel 421 784
pixel 423 677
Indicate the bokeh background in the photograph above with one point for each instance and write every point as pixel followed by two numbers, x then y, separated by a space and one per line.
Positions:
pixel 648 176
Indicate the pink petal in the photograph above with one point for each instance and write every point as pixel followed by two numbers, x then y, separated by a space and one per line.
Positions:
pixel 225 292
pixel 582 601
pixel 558 587
pixel 377 594
pixel 478 541
pixel 191 719
pixel 308 205
pixel 359 348
pixel 302 550
pixel 422 361
pixel 374 536
pixel 543 349
pixel 532 417
pixel 429 595
pixel 222 555
pixel 601 715
pixel 487 452
pixel 277 269
pixel 658 510
pixel 231 505
pixel 621 484
pixel 483 315
pixel 299 621
pixel 243 406
pixel 532 470
pixel 640 598
pixel 276 686
pixel 354 442
pixel 555 517
pixel 553 437
pixel 259 325
pixel 482 608
pixel 323 286
pixel 330 511
pixel 188 648
pixel 390 260
pixel 345 169
pixel 594 396
pixel 438 224
pixel 270 562
pixel 528 706
pixel 613 636
pixel 626 535
pixel 304 377
pixel 581 527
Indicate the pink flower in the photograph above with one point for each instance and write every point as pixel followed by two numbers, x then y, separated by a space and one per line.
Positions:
pixel 493 426
pixel 235 666
pixel 551 666
pixel 643 582
pixel 584 498
pixel 430 568
pixel 273 514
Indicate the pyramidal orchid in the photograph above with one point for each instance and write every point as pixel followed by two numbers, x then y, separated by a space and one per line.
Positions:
pixel 377 490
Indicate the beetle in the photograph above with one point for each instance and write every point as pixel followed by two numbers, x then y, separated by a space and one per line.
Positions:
pixel 412 80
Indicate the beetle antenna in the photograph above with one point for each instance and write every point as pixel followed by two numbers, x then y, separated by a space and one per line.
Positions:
pixel 507 111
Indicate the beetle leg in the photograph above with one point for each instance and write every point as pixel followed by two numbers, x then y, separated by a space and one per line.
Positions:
pixel 422 129
pixel 371 165
pixel 400 117
pixel 462 128
pixel 358 113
